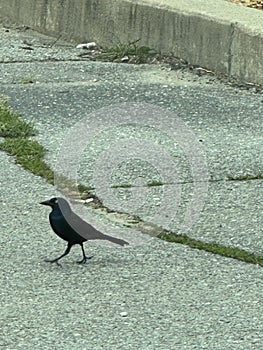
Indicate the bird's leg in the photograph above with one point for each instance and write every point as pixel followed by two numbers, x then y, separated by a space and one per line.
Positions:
pixel 85 258
pixel 61 256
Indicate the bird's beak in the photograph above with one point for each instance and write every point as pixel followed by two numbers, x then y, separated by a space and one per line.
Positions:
pixel 45 203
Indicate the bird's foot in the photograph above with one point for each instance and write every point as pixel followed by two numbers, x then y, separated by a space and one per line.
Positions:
pixel 83 261
pixel 53 261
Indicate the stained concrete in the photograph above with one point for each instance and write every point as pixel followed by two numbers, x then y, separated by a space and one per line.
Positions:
pixel 223 37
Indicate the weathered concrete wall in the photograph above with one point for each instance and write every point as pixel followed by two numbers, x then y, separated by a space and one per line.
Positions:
pixel 74 20
pixel 201 36
pixel 247 55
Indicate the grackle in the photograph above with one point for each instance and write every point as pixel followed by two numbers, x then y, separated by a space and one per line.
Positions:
pixel 70 227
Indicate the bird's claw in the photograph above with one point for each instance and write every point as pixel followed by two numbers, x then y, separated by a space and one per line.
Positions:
pixel 83 261
pixel 53 261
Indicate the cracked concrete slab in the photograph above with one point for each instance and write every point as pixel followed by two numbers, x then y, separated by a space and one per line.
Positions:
pixel 221 36
pixel 152 295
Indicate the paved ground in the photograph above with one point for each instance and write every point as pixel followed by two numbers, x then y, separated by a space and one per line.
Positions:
pixel 154 295
pixel 185 28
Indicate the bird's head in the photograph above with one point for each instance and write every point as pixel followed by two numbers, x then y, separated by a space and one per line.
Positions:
pixel 53 202
pixel 56 203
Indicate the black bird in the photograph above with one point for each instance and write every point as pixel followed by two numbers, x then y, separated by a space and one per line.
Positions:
pixel 70 227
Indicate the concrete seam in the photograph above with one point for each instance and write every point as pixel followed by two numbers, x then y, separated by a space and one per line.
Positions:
pixel 230 53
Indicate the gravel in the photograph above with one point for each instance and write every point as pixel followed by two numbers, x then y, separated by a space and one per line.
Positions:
pixel 256 4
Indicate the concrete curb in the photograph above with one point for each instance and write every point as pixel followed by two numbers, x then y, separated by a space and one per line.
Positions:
pixel 226 38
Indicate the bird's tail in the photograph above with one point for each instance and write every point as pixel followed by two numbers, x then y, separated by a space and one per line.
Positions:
pixel 115 240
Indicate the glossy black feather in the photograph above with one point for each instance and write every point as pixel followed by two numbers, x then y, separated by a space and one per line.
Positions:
pixel 71 228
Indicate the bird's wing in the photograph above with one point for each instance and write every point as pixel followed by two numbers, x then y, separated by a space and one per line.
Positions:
pixel 88 231
pixel 83 228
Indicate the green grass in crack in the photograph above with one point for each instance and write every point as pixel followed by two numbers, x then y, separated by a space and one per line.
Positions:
pixel 154 183
pixel 215 248
pixel 140 54
pixel 122 186
pixel 11 125
pixel 245 177
pixel 29 154
pixel 22 148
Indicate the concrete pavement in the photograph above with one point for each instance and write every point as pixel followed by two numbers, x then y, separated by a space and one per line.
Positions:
pixel 221 36
pixel 155 295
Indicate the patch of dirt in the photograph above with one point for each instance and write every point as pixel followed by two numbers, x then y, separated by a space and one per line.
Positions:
pixel 255 4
